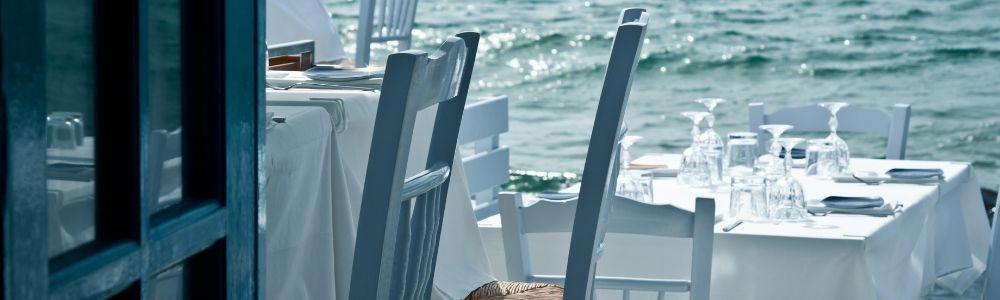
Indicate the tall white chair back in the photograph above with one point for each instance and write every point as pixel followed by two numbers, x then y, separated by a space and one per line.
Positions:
pixel 991 283
pixel 400 223
pixel 812 118
pixel 382 21
pixel 488 166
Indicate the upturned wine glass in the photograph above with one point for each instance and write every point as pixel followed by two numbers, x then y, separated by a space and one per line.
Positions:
pixel 631 183
pixel 770 162
pixel 695 170
pixel 785 196
pixel 840 148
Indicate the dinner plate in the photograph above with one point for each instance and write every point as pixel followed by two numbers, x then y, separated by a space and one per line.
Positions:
pixel 334 74
pixel 905 173
pixel 852 202
pixel 556 196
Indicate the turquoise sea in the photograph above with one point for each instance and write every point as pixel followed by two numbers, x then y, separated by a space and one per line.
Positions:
pixel 942 57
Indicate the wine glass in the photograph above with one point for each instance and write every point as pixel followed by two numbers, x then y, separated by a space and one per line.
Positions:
pixel 630 183
pixel 712 141
pixel 695 169
pixel 785 195
pixel 840 148
pixel 770 162
pixel 711 138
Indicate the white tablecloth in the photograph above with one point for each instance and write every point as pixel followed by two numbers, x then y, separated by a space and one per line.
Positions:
pixel 462 265
pixel 299 214
pixel 940 237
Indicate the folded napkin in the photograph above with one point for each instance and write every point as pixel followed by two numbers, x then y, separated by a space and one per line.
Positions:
pixel 817 207
pixel 871 177
pixel 797 153
pixel 910 173
pixel 852 202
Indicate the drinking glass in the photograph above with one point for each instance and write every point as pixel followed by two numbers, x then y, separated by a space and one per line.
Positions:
pixel 631 183
pixel 785 196
pixel 741 151
pixel 840 148
pixel 820 158
pixel 695 167
pixel 770 162
pixel 747 199
pixel 712 141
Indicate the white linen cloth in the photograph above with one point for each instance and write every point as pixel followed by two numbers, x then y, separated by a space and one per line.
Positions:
pixel 293 20
pixel 462 265
pixel 940 237
pixel 299 210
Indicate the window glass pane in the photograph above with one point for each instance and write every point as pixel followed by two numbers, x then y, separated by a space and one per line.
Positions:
pixel 169 284
pixel 164 40
pixel 69 124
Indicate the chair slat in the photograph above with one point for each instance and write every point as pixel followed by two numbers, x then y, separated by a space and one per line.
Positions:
pixel 484 119
pixel 487 170
pixel 425 181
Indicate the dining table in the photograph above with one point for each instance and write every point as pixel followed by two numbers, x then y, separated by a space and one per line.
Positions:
pixel 935 242
pixel 315 162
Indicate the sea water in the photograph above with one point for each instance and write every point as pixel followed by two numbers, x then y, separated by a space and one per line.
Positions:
pixel 942 57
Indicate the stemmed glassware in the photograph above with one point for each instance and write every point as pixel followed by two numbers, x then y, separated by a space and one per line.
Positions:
pixel 694 163
pixel 840 149
pixel 785 196
pixel 712 141
pixel 770 163
pixel 631 183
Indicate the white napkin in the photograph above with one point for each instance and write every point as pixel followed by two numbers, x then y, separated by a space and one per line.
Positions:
pixel 816 207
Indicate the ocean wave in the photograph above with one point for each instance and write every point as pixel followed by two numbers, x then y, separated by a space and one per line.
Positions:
pixel 912 14
pixel 834 72
pixel 746 62
pixel 728 17
pixel 757 37
pixel 971 52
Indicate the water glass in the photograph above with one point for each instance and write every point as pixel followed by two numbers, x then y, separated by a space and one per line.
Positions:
pixel 741 151
pixel 633 184
pixel 821 158
pixel 747 199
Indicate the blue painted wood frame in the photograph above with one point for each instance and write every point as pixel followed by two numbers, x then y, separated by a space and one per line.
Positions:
pixel 215 230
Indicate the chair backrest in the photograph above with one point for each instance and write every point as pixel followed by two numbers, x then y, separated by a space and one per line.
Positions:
pixel 400 222
pixel 991 277
pixel 488 166
pixel 598 179
pixel 851 119
pixel 383 21
pixel 627 216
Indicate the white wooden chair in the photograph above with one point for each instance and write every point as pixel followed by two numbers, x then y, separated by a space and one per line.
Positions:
pixel 813 118
pixel 383 21
pixel 991 277
pixel 489 166
pixel 399 227
pixel 627 216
